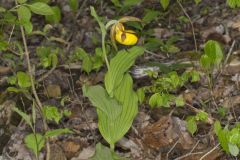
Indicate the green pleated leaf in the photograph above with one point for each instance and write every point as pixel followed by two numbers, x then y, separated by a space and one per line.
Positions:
pixel 104 153
pixel 119 65
pixel 41 8
pixel 115 130
pixel 100 99
pixel 214 51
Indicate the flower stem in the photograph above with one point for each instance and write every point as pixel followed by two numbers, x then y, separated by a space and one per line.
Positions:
pixel 104 50
pixel 112 146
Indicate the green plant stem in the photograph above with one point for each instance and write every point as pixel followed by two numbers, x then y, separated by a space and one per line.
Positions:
pixel 39 104
pixel 210 85
pixel 104 50
pixel 112 146
pixel 191 23
pixel 209 82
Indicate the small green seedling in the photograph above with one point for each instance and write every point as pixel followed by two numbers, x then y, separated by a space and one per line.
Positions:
pixel 192 121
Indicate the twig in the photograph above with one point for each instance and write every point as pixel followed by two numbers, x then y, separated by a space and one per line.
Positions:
pixel 81 8
pixel 227 58
pixel 9 39
pixel 184 156
pixel 46 74
pixel 172 148
pixel 72 88
pixel 14 52
pixel 191 23
pixel 229 52
pixel 205 155
pixel 154 54
pixel 190 153
pixel 209 119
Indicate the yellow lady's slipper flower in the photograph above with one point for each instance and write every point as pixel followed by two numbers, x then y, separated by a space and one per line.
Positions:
pixel 122 36
pixel 125 37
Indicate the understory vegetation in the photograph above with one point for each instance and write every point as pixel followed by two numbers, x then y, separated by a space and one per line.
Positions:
pixel 119 79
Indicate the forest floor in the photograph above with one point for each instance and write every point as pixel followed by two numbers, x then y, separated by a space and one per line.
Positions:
pixel 174 43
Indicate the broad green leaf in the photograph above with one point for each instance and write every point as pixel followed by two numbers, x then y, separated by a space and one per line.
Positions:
pixel 80 54
pixel 116 3
pixel 2 9
pixel 28 27
pixel 34 142
pixel 233 149
pixel 119 65
pixel 195 76
pixel 52 113
pixel 201 116
pixel 222 111
pixel 99 52
pixel 197 1
pixel 87 64
pixel 48 56
pixel 67 113
pixel 217 127
pixel 153 44
pixel 150 15
pixel 141 95
pixel 232 3
pixel 26 117
pixel 12 80
pixel 164 3
pixel 43 1
pixel 100 99
pixel 173 49
pixel 104 153
pixel 53 59
pixel 213 50
pixel 205 61
pixel 24 14
pixel 73 5
pixel 128 3
pixel 164 100
pixel 153 101
pixel 97 62
pixel 41 8
pixel 191 125
pixel 57 132
pixel 9 18
pixel 223 139
pixel 21 1
pixel 112 131
pixel 3 45
pixel 179 101
pixel 56 17
pixel 23 79
pixel 234 136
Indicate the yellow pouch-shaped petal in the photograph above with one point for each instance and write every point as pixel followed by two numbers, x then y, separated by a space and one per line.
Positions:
pixel 126 38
